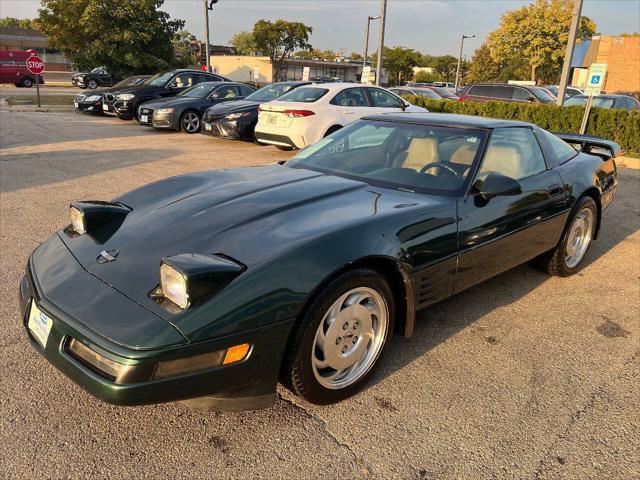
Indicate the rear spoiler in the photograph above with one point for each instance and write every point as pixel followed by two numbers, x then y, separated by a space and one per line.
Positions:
pixel 589 144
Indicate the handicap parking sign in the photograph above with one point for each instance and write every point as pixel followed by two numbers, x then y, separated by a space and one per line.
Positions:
pixel 595 79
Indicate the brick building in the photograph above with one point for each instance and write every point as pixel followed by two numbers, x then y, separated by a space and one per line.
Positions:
pixel 622 56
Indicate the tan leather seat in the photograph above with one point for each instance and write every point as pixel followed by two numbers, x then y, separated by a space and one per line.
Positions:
pixel 420 152
pixel 505 160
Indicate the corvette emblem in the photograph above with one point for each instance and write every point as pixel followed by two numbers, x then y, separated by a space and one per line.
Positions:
pixel 107 256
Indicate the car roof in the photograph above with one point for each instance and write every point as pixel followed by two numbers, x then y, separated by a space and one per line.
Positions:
pixel 448 120
pixel 336 87
pixel 603 95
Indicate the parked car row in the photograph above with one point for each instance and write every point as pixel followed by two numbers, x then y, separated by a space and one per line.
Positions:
pixel 289 115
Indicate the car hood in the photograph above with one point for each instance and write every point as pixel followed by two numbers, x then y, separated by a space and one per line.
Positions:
pixel 254 215
pixel 233 106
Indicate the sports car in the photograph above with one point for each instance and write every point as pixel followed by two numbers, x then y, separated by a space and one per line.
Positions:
pixel 211 287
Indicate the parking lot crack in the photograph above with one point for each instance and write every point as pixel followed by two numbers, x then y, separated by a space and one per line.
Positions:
pixel 597 395
pixel 365 469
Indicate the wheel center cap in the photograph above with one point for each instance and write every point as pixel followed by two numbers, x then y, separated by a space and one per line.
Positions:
pixel 348 337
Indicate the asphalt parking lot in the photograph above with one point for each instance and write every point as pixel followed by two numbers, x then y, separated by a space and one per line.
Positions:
pixel 524 376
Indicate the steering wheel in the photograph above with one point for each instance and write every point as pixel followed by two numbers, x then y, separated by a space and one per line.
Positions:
pixel 447 168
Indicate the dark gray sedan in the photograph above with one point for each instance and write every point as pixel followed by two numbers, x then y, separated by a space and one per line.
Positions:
pixel 184 111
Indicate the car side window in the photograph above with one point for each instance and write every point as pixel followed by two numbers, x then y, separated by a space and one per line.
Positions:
pixel 521 94
pixel 183 80
pixel 245 91
pixel 383 99
pixel 514 152
pixel 351 97
pixel 226 91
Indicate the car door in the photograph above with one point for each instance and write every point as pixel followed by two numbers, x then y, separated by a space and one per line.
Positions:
pixel 349 104
pixel 499 233
pixel 384 102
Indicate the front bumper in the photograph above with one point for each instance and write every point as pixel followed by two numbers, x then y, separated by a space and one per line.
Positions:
pixel 123 108
pixel 78 82
pixel 248 384
pixel 151 118
pixel 94 107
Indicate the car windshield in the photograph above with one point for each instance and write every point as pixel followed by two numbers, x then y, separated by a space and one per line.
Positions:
pixel 542 95
pixel 427 93
pixel 159 79
pixel 270 92
pixel 408 157
pixel 599 102
pixel 304 94
pixel 201 90
pixel 97 70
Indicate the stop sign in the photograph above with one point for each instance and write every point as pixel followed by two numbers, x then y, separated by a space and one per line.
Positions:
pixel 35 65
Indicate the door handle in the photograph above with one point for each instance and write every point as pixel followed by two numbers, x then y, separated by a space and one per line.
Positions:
pixel 348 111
pixel 554 190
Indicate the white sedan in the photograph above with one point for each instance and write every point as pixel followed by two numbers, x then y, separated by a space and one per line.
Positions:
pixel 308 114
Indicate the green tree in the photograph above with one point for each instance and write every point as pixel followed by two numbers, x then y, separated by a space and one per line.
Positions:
pixel 425 77
pixel 537 33
pixel 306 54
pixel 483 67
pixel 18 22
pixel 445 66
pixel 186 49
pixel 355 56
pixel 279 39
pixel 399 63
pixel 243 43
pixel 132 36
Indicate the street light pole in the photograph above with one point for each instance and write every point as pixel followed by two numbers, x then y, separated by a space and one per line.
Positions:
pixel 571 42
pixel 366 42
pixel 208 5
pixel 460 59
pixel 383 18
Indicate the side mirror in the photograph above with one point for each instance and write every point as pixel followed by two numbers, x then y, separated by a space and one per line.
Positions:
pixel 496 185
pixel 404 106
pixel 531 99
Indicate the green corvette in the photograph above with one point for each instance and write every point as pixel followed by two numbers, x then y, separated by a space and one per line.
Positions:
pixel 212 287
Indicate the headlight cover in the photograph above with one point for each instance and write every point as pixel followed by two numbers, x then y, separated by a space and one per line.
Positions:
pixel 165 110
pixel 89 216
pixel 237 115
pixel 124 96
pixel 93 98
pixel 189 279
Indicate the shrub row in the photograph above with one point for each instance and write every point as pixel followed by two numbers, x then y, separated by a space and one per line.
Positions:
pixel 621 126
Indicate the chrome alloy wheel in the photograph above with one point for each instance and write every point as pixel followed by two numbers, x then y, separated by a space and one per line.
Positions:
pixel 191 122
pixel 349 338
pixel 579 237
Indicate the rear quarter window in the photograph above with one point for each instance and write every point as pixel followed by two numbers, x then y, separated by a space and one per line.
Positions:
pixel 562 149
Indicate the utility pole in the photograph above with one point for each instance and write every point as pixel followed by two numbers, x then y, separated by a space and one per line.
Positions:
pixel 566 67
pixel 460 59
pixel 208 5
pixel 383 17
pixel 366 42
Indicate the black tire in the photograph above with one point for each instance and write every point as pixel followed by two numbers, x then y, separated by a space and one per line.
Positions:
pixel 284 148
pixel 92 84
pixel 554 262
pixel 333 129
pixel 298 375
pixel 26 82
pixel 188 126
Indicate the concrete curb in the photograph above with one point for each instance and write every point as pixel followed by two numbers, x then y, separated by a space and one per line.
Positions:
pixel 35 108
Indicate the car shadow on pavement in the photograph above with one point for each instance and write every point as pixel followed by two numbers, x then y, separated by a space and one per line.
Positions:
pixel 35 169
pixel 440 322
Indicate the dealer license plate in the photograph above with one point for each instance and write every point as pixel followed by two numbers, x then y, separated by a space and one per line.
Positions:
pixel 39 324
pixel 75 104
pixel 207 127
pixel 270 119
pixel 144 118
pixel 105 106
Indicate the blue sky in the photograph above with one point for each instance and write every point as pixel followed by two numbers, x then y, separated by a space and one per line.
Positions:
pixel 430 26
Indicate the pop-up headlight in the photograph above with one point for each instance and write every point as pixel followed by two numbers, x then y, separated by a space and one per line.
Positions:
pixel 88 217
pixel 189 279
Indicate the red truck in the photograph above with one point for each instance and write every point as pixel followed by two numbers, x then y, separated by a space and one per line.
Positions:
pixel 13 68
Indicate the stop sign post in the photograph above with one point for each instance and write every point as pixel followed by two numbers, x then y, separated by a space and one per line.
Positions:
pixel 36 66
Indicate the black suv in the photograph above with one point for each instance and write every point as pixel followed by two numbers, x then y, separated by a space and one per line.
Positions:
pixel 165 84
pixel 506 93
